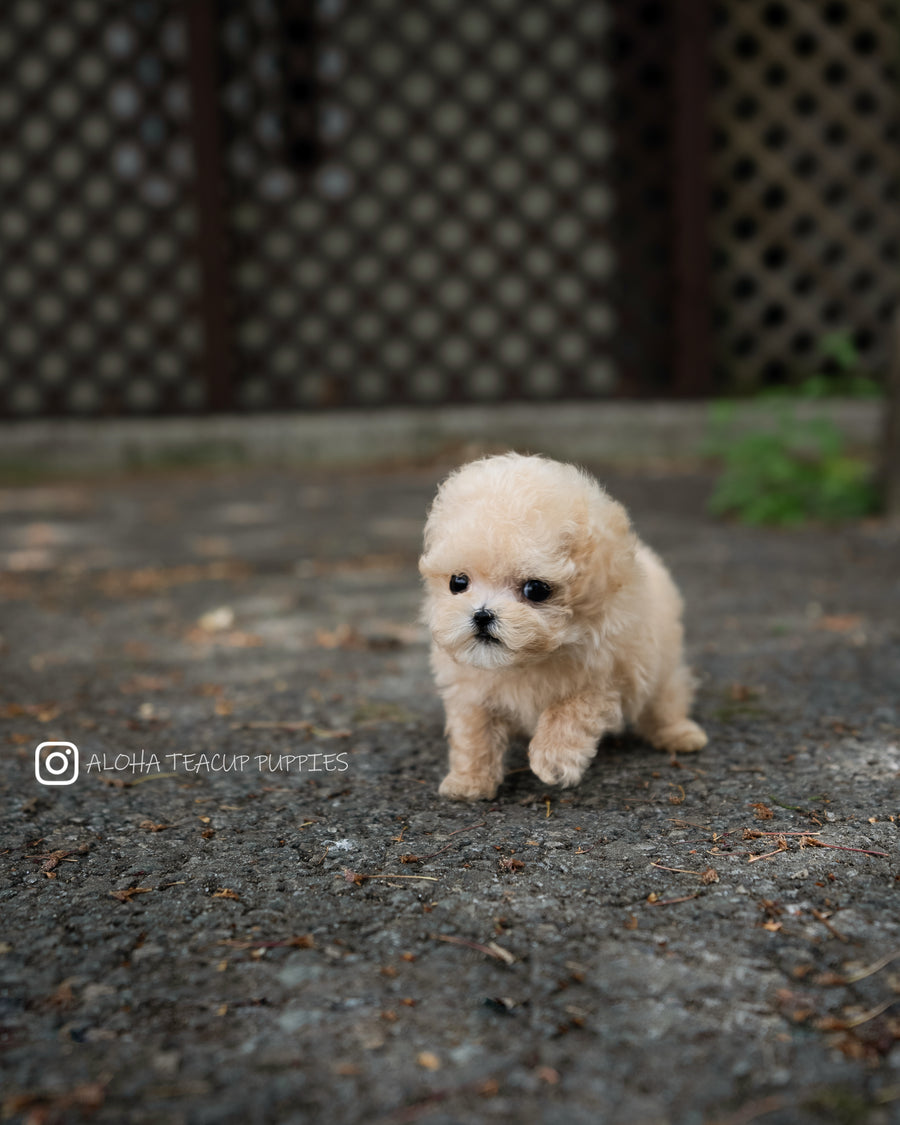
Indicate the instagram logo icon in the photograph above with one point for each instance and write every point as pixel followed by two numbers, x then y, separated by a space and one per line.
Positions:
pixel 56 763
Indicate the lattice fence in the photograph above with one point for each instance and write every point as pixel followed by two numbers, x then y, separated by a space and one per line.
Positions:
pixel 806 173
pixel 451 240
pixel 99 279
pixel 452 200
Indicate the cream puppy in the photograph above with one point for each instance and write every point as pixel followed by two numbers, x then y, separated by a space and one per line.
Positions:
pixel 548 618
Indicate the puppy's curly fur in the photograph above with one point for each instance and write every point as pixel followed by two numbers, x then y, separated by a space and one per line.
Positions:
pixel 549 618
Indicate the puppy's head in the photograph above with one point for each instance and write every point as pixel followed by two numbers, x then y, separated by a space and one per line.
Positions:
pixel 522 557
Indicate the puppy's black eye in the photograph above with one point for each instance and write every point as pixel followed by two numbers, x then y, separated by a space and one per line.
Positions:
pixel 534 590
pixel 458 583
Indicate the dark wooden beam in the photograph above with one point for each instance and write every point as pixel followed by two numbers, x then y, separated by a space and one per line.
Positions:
pixel 890 446
pixel 211 202
pixel 691 258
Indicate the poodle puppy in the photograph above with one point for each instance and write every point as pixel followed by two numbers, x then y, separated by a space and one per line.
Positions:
pixel 548 618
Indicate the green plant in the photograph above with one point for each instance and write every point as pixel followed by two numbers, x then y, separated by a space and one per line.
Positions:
pixel 782 467
pixel 849 381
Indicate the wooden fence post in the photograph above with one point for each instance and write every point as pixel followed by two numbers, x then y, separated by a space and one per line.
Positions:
pixel 890 446
pixel 692 312
pixel 210 195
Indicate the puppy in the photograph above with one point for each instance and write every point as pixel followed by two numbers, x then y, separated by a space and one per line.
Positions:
pixel 549 618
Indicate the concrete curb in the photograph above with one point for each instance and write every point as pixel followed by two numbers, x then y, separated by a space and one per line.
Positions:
pixel 623 432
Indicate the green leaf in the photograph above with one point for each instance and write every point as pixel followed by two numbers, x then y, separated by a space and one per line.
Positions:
pixel 840 347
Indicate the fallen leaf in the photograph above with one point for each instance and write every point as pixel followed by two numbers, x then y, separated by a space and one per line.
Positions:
pixel 149 580
pixel 839 622
pixel 43 712
pixel 300 941
pixel 63 997
pixel 344 636
pixel 128 893
pixel 217 620
pixel 235 638
pixel 510 863
pixel 742 693
pixel 53 859
pixel 139 684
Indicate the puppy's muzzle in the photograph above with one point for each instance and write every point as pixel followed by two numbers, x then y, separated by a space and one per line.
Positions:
pixel 482 625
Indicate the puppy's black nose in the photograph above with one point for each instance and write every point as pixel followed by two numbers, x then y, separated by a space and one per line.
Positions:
pixel 482 619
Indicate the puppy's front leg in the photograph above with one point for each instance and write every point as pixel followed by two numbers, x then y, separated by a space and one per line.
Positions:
pixel 565 739
pixel 477 743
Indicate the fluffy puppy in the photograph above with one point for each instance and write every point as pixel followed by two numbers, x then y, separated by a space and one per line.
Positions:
pixel 548 618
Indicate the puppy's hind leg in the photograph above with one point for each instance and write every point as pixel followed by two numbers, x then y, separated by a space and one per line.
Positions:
pixel 478 741
pixel 664 721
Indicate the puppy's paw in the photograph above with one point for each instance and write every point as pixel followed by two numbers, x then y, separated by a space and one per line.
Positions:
pixel 556 767
pixel 683 737
pixel 467 787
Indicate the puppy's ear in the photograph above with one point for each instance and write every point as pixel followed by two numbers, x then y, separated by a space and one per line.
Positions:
pixel 426 565
pixel 426 561
pixel 604 550
pixel 610 517
pixel 430 538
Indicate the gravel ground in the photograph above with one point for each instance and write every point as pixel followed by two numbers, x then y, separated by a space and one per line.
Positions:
pixel 251 906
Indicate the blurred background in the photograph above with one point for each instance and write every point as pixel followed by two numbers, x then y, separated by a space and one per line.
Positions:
pixel 258 205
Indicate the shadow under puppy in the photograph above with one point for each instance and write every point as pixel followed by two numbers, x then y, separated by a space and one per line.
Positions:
pixel 548 618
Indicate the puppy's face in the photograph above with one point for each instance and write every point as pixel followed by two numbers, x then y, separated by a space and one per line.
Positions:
pixel 491 619
pixel 519 555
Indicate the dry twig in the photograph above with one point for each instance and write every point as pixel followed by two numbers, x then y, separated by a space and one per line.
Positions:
pixel 823 918
pixel 301 941
pixel 492 949
pixel 709 875
pixel 831 1023
pixel 356 877
pixel 876 967
pixel 782 847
